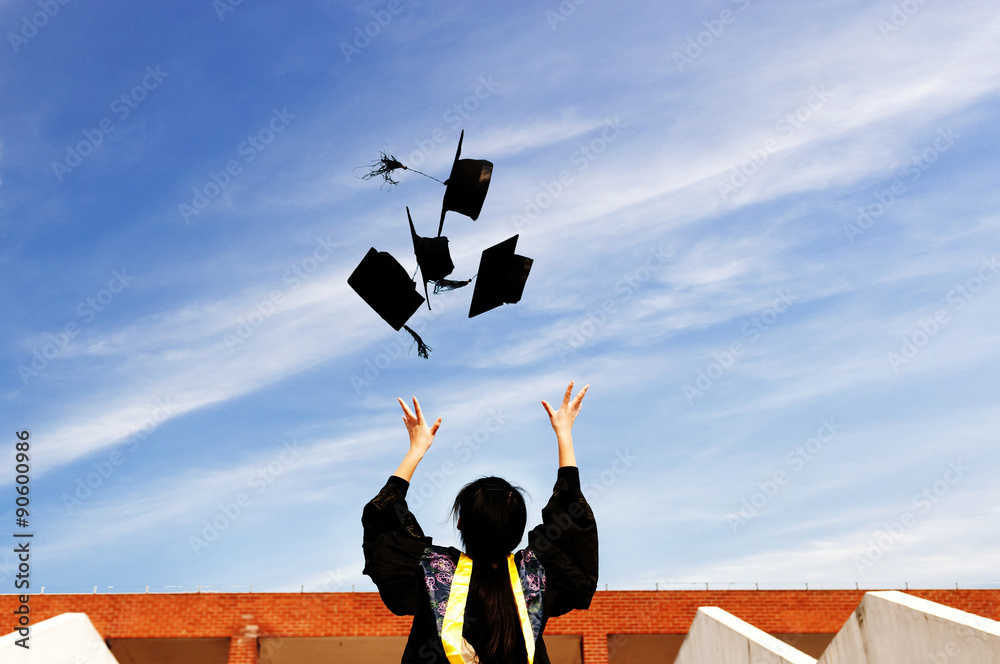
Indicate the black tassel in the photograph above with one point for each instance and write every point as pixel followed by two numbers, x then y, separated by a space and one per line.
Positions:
pixel 423 350
pixel 442 285
pixel 384 167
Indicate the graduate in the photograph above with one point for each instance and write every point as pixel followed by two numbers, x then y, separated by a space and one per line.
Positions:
pixel 487 604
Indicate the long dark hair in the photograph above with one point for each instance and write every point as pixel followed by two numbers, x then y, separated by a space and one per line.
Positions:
pixel 491 516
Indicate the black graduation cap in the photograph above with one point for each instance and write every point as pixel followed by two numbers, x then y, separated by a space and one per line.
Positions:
pixel 434 260
pixel 502 275
pixel 432 256
pixel 386 287
pixel 465 189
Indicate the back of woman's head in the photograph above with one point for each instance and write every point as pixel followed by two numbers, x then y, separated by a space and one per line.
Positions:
pixel 491 518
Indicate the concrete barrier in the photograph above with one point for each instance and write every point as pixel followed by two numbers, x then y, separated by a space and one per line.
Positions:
pixel 891 627
pixel 66 639
pixel 719 637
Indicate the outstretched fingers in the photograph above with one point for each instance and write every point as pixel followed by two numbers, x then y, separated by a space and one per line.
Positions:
pixel 569 393
pixel 420 413
pixel 548 408
pixel 415 418
pixel 570 406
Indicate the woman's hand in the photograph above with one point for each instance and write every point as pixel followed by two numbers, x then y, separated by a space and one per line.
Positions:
pixel 562 419
pixel 421 437
pixel 562 423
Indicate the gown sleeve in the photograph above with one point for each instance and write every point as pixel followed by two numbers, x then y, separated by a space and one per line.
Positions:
pixel 566 545
pixel 393 544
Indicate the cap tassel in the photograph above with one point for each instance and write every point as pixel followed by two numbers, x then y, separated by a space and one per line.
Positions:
pixel 442 285
pixel 423 350
pixel 385 166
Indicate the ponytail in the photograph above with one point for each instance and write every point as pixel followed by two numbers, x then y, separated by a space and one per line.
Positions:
pixel 491 514
pixel 493 599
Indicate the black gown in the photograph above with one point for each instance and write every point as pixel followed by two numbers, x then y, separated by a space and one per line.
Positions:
pixel 565 544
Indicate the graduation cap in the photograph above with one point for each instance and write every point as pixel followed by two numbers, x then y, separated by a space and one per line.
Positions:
pixel 434 260
pixel 465 189
pixel 432 256
pixel 386 287
pixel 502 275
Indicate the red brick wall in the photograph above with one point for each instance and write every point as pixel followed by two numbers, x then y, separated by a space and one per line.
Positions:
pixel 362 614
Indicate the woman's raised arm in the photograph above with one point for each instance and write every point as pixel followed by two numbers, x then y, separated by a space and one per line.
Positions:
pixel 562 423
pixel 421 437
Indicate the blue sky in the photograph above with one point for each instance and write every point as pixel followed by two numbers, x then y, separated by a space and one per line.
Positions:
pixel 764 232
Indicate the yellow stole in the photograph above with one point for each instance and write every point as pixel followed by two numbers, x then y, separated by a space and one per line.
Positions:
pixel 456 648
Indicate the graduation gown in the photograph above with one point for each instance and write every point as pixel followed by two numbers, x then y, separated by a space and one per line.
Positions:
pixel 557 570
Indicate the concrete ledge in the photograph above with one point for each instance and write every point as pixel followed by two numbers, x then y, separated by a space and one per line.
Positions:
pixel 719 637
pixel 70 637
pixel 896 628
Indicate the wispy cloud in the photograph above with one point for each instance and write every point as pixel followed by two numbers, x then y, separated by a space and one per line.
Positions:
pixel 660 240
